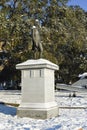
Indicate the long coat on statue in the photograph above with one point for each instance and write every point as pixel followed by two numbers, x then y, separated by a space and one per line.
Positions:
pixel 37 46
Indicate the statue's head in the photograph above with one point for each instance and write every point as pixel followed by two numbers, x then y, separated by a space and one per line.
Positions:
pixel 36 20
pixel 37 23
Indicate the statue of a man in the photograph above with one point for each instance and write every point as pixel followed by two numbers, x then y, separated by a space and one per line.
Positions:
pixel 36 40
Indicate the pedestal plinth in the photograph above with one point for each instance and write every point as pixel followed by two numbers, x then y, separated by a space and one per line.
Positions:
pixel 38 101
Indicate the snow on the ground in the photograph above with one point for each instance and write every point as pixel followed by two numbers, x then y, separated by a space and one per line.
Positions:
pixel 68 119
pixel 64 100
pixel 10 96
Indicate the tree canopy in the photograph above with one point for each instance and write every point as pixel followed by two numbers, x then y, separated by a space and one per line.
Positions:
pixel 63 34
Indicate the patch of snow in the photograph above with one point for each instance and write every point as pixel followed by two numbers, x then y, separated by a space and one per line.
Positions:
pixel 68 119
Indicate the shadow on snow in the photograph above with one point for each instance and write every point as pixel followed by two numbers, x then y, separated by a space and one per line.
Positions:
pixel 8 110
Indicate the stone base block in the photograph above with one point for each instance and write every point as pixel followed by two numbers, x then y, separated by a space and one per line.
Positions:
pixel 38 113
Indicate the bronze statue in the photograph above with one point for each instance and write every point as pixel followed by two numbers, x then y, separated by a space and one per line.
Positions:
pixel 36 40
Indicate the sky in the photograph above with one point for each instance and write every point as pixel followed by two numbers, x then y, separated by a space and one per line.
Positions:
pixel 81 3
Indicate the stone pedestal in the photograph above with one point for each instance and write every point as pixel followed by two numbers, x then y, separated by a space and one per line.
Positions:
pixel 38 101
